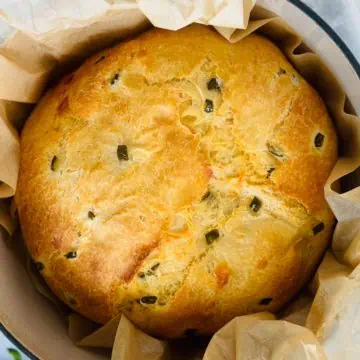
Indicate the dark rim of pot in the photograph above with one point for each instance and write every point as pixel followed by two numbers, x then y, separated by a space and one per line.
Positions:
pixel 18 344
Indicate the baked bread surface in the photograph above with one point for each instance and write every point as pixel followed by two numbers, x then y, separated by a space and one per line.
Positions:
pixel 177 178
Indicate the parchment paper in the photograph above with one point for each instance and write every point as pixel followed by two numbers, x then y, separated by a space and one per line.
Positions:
pixel 56 36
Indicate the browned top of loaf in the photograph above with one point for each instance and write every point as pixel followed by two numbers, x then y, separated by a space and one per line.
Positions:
pixel 214 208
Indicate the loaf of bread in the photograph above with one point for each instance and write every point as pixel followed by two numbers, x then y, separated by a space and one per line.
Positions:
pixel 178 179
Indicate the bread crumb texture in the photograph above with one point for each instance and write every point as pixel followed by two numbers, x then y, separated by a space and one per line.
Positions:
pixel 178 178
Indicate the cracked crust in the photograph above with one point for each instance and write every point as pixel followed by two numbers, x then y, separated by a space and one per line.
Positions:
pixel 209 210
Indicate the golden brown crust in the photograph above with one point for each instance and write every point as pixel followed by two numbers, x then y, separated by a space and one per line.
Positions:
pixel 216 208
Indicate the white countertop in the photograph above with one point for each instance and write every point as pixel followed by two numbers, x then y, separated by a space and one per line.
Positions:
pixel 344 17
